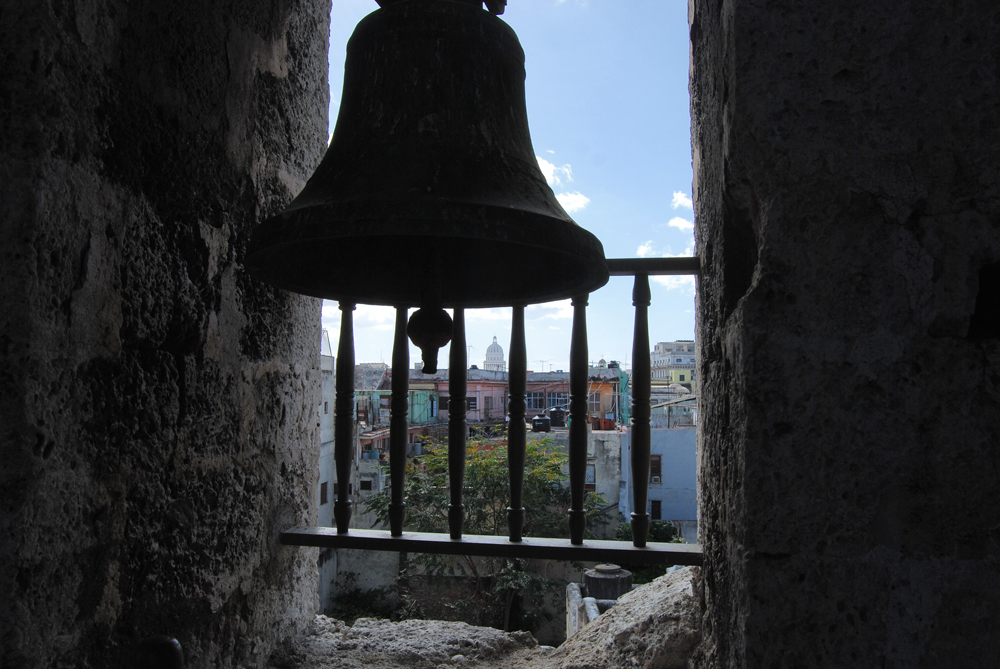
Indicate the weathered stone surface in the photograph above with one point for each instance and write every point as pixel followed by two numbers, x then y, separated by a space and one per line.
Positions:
pixel 423 644
pixel 656 626
pixel 158 404
pixel 847 199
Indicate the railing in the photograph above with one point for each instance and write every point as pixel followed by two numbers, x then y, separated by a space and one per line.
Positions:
pixel 513 545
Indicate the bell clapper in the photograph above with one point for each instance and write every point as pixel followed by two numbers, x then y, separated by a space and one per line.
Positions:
pixel 429 329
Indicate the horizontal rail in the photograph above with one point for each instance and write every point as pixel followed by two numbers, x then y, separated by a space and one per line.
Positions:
pixel 495 546
pixel 653 266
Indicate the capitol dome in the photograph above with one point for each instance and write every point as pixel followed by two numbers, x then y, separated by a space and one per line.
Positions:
pixel 494 357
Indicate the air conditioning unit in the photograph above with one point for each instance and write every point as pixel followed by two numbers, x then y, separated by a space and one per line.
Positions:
pixel 655 480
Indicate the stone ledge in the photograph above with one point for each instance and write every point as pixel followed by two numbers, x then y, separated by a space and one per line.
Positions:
pixel 656 626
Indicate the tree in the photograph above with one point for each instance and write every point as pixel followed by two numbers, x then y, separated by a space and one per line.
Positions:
pixel 500 583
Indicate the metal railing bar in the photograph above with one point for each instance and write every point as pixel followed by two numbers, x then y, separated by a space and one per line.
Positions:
pixel 653 266
pixel 398 422
pixel 343 415
pixel 578 400
pixel 344 429
pixel 496 546
pixel 641 388
pixel 516 432
pixel 457 428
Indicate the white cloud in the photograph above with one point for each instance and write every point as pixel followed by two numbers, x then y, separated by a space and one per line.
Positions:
pixel 374 316
pixel 365 316
pixel 675 282
pixel 684 282
pixel 681 200
pixel 496 314
pixel 554 174
pixel 647 250
pixel 681 223
pixel 573 201
pixel 558 310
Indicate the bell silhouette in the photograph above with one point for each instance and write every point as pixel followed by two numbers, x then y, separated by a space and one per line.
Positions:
pixel 430 192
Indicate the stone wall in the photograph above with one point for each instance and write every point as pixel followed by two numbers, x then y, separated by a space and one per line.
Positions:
pixel 848 221
pixel 158 404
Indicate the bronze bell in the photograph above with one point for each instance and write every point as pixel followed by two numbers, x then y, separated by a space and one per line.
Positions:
pixel 430 193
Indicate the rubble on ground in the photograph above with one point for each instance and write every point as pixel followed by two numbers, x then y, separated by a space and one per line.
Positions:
pixel 656 626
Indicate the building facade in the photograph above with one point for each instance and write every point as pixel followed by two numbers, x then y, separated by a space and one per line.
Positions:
pixel 674 362
pixel 326 565
pixel 672 483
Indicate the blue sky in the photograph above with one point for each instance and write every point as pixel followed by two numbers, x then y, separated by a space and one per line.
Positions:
pixel 608 109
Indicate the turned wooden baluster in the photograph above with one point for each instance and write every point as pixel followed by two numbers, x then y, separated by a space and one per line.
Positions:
pixel 578 400
pixel 398 423
pixel 457 430
pixel 343 416
pixel 516 437
pixel 640 411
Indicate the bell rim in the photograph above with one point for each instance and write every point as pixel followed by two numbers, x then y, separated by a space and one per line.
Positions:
pixel 326 228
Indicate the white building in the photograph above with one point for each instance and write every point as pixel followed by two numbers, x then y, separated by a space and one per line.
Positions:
pixel 494 357
pixel 327 475
pixel 673 362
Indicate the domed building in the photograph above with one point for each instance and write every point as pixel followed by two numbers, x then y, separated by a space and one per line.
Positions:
pixel 494 357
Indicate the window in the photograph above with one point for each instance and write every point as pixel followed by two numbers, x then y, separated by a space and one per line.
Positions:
pixel 594 405
pixel 488 403
pixel 470 404
pixel 323 499
pixel 681 377
pixel 366 484
pixel 590 483
pixel 560 399
pixel 655 509
pixel 326 407
pixel 655 467
pixel 678 359
pixel 535 401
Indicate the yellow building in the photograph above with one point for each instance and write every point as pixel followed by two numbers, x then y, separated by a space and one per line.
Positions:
pixel 674 362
